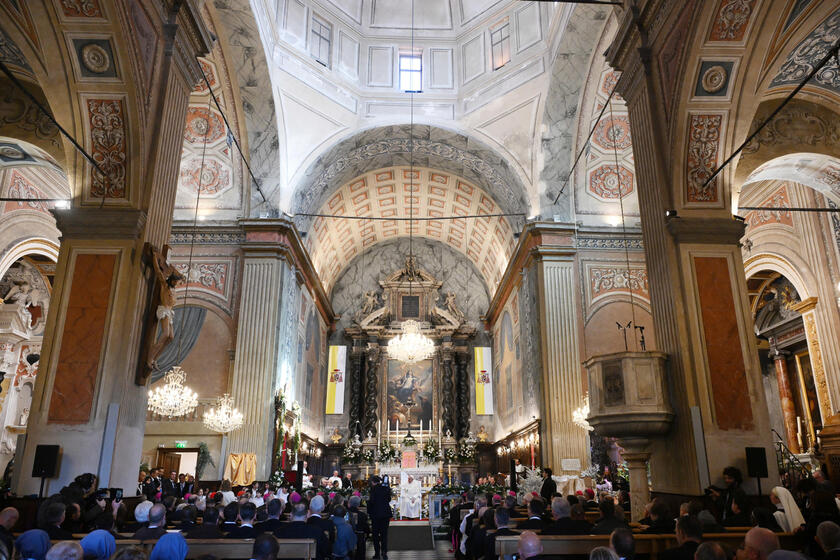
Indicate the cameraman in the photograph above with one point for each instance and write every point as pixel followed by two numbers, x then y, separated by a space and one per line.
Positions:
pixel 723 497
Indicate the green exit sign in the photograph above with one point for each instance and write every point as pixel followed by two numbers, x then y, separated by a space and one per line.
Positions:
pixel 180 444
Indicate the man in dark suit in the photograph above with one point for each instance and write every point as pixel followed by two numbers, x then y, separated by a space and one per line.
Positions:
pixel 209 529
pixel 230 514
pixel 347 481
pixel 379 511
pixel 549 487
pixel 828 537
pixel 530 547
pixel 169 486
pixel 323 522
pixel 535 521
pixel 53 518
pixel 156 527
pixel 298 528
pixel 184 487
pixel 689 533
pixel 562 522
pixel 623 544
pixel 273 509
pixel 247 513
pixel 502 518
pixel 608 521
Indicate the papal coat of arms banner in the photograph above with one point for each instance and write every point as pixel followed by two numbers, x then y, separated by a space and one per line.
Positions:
pixel 336 372
pixel 483 380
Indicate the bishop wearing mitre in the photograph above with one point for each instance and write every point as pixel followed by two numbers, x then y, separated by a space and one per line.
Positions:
pixel 411 498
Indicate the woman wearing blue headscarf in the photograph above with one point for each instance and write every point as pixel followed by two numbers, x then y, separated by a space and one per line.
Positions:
pixel 171 546
pixel 33 545
pixel 99 545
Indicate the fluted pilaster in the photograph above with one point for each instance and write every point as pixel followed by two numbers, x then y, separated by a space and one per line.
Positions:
pixel 561 378
pixel 256 357
pixel 462 409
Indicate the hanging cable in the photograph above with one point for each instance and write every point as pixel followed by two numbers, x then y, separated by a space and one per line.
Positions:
pixel 623 224
pixel 194 233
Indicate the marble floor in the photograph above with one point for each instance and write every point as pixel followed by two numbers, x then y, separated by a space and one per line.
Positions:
pixel 440 552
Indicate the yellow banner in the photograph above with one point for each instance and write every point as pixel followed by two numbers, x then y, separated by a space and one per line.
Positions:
pixel 483 380
pixel 336 372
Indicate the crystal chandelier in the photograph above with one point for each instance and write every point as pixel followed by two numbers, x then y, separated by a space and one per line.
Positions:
pixel 224 418
pixel 411 346
pixel 581 413
pixel 172 398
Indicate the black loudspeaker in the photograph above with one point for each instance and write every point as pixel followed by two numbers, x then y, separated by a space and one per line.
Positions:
pixel 756 462
pixel 513 481
pixel 45 464
pixel 299 481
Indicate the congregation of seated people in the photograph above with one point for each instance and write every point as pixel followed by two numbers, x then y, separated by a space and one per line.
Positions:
pixel 85 519
pixel 810 520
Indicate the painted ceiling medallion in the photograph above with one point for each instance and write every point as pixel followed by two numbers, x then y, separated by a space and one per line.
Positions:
pixel 714 79
pixel 95 58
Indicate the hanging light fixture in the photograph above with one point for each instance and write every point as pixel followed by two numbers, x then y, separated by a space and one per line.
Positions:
pixel 581 413
pixel 224 418
pixel 172 398
pixel 411 345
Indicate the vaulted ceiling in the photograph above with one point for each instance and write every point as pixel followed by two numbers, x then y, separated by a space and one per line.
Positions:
pixel 390 193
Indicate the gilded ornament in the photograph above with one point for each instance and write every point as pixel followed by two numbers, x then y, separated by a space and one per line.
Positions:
pixel 714 79
pixel 95 58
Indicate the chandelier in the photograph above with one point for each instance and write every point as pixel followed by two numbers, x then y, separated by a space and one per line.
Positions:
pixel 224 418
pixel 581 413
pixel 411 346
pixel 172 398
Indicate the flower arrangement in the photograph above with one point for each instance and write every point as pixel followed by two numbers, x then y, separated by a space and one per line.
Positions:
pixel 451 455
pixel 387 453
pixel 431 451
pixel 350 454
pixel 409 440
pixel 466 452
pixel 368 456
pixel 276 479
pixel 593 472
pixel 448 489
pixel 489 489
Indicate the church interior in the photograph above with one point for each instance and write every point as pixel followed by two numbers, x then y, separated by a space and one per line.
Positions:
pixel 460 241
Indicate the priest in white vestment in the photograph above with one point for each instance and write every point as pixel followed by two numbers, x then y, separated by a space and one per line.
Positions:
pixel 411 498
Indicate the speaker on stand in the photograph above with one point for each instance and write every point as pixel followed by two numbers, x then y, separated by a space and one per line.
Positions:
pixel 45 464
pixel 756 464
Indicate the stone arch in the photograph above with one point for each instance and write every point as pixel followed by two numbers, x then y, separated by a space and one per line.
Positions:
pixel 782 265
pixel 433 147
pixel 32 246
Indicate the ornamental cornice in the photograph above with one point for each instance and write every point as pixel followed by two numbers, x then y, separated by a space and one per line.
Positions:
pixel 99 223
pixel 713 231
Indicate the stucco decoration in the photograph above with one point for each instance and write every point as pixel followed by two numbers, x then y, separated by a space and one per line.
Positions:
pixel 432 147
pixel 10 53
pixel 808 53
pixel 445 264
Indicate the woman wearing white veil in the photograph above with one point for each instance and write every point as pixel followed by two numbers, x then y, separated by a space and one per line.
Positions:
pixel 787 513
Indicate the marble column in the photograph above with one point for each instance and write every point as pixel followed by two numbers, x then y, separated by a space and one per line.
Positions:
pixel 255 365
pixel 374 353
pixel 562 382
pixel 448 390
pixel 462 408
pixel 808 310
pixel 786 397
pixel 356 388
pixel 637 457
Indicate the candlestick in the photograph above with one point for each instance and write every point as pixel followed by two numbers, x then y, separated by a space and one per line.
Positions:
pixel 799 440
pixel 398 428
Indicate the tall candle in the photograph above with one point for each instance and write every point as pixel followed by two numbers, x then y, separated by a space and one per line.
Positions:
pixel 798 424
pixel 532 456
pixel 398 428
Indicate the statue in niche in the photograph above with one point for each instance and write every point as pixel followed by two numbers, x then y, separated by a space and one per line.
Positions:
pixel 452 307
pixel 167 278
pixel 20 292
pixel 482 434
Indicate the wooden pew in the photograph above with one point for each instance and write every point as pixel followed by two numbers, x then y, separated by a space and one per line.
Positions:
pixel 233 549
pixel 651 545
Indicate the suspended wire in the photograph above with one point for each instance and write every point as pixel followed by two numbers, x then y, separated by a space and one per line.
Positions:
pixel 398 219
pixel 585 145
pixel 232 135
pixel 194 234
pixel 623 224
pixel 832 52
pixel 106 178
pixel 411 170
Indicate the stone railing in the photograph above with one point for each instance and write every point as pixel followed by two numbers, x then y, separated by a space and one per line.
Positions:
pixel 196 415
